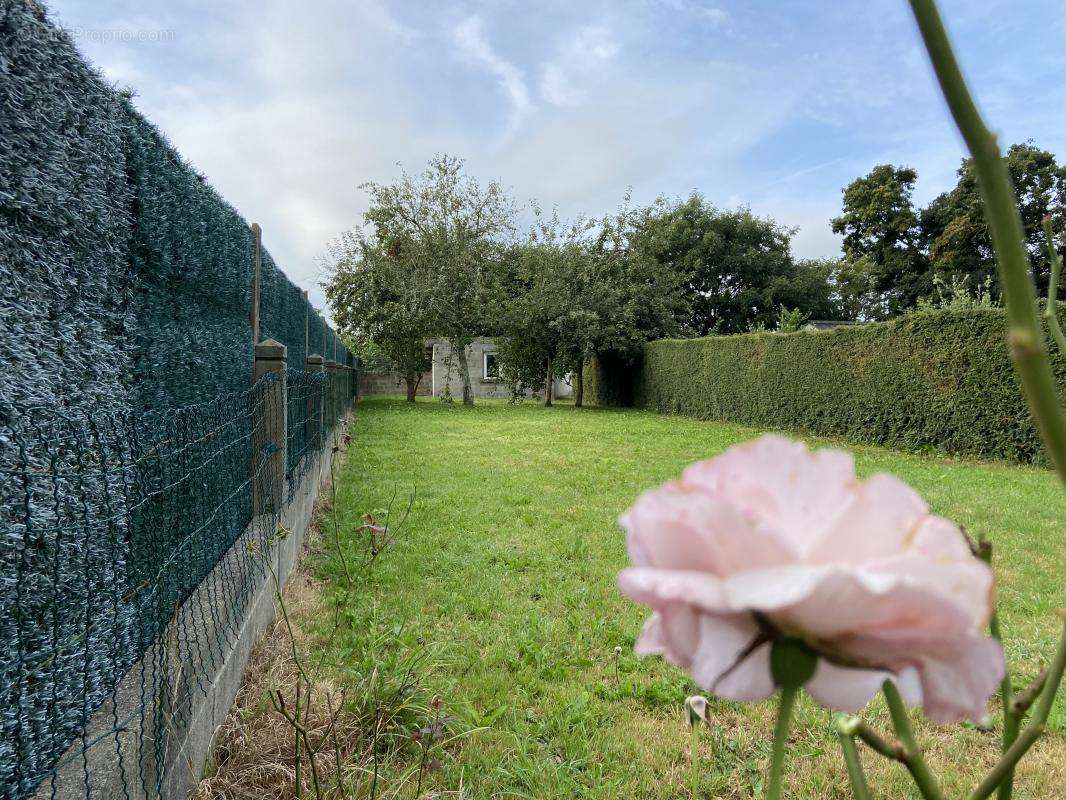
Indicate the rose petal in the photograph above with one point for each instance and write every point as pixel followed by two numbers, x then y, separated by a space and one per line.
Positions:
pixel 750 681
pixel 686 528
pixel 958 674
pixel 844 688
pixel 941 539
pixel 723 640
pixel 652 640
pixel 824 602
pixel 850 689
pixel 780 481
pixel 660 588
pixel 882 519
pixel 967 585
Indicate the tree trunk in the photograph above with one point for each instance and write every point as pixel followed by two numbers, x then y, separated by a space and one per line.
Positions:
pixel 411 379
pixel 459 349
pixel 579 384
pixel 548 384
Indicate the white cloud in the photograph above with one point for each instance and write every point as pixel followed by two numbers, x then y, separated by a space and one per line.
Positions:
pixel 286 112
pixel 581 57
pixel 475 48
pixel 717 17
pixel 714 16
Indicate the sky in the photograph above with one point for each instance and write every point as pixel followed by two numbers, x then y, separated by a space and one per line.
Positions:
pixel 288 107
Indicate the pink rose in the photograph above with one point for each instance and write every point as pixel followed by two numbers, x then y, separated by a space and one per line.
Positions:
pixel 769 539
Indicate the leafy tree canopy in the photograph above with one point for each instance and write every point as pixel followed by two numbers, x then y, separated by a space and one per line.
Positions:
pixel 426 253
pixel 570 291
pixel 885 264
pixel 738 267
pixel 955 232
pixel 897 257
pixel 380 304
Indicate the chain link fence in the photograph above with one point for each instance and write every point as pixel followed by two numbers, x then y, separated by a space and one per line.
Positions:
pixel 133 546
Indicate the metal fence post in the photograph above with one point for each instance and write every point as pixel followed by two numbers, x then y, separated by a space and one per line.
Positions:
pixel 257 270
pixel 270 437
pixel 315 406
pixel 307 326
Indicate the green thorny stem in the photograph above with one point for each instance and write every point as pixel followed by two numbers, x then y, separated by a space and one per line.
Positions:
pixel 694 766
pixel 777 762
pixel 1010 719
pixel 1051 311
pixel 914 760
pixel 1025 331
pixel 1033 731
pixel 860 790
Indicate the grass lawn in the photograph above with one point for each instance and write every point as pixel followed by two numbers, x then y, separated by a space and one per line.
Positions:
pixel 503 576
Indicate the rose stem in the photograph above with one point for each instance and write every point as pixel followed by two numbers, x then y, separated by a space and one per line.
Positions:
pixel 914 762
pixel 695 772
pixel 1051 312
pixel 777 763
pixel 1032 731
pixel 860 790
pixel 1010 719
pixel 1025 331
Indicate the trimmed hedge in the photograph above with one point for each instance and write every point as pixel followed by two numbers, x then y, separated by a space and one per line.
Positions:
pixel 608 380
pixel 934 379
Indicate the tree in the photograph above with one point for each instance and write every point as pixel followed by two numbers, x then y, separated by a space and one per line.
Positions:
pixel 380 304
pixel 809 290
pixel 583 289
pixel 882 241
pixel 853 290
pixel 895 257
pixel 541 294
pixel 636 295
pixel 955 232
pixel 448 231
pixel 735 263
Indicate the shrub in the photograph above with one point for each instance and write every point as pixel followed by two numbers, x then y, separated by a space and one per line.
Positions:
pixel 931 379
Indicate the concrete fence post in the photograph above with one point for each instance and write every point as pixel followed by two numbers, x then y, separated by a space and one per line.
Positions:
pixel 333 370
pixel 315 401
pixel 270 435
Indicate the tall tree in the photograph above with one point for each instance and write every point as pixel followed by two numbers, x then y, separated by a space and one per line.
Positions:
pixel 636 295
pixel 451 228
pixel 537 294
pixel 882 241
pixel 735 263
pixel 955 231
pixel 584 289
pixel 379 302
pixel 809 289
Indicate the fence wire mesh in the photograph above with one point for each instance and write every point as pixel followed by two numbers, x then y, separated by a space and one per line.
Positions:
pixel 130 548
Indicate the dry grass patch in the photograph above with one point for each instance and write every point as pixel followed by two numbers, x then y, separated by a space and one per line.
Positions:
pixel 305 724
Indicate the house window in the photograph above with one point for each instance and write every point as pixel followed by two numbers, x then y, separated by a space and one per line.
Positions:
pixel 491 371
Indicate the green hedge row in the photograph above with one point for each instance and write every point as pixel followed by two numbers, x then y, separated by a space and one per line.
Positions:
pixel 934 379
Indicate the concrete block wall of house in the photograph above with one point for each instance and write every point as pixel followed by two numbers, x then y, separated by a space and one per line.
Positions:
pixel 390 383
pixel 485 382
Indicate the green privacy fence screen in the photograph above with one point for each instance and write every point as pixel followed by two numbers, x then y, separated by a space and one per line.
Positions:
pixel 124 278
pixel 112 521
pixel 126 418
